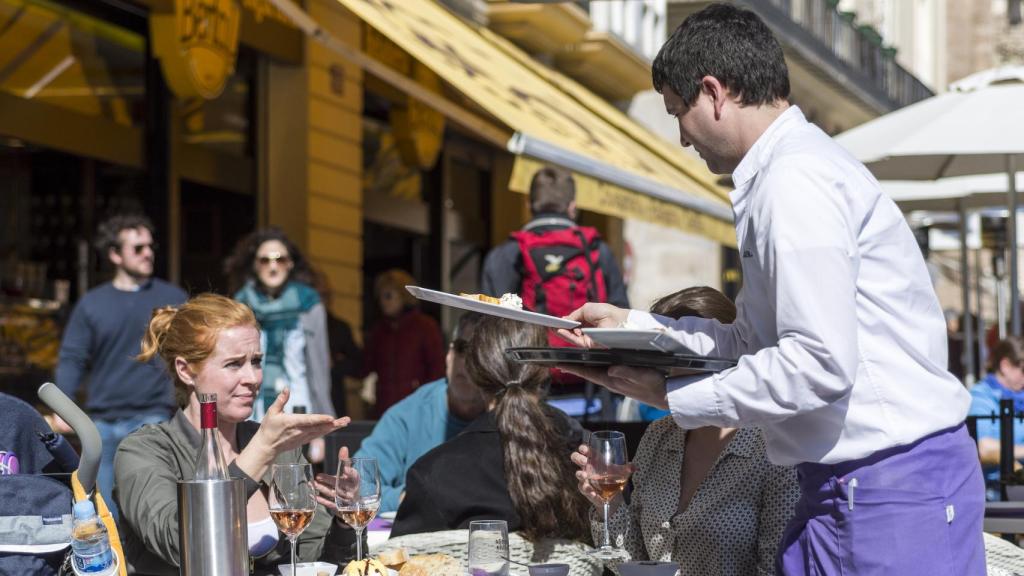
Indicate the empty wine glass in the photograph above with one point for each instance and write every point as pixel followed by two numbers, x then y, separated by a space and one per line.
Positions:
pixel 292 500
pixel 357 495
pixel 608 471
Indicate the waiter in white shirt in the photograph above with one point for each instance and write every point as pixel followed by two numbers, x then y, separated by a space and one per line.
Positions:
pixel 840 341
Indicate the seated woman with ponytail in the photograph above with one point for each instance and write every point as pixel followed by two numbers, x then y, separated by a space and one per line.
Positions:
pixel 211 344
pixel 511 463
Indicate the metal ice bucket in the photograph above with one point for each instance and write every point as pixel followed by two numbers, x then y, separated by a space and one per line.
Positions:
pixel 212 528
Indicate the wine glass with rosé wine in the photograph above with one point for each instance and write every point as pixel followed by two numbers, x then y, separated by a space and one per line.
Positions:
pixel 357 495
pixel 292 500
pixel 608 470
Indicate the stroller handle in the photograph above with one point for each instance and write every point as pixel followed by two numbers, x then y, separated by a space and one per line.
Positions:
pixel 92 446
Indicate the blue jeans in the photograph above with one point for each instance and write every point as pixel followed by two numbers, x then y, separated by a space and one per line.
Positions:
pixel 111 433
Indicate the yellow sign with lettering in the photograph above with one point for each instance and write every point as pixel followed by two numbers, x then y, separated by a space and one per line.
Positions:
pixel 197 45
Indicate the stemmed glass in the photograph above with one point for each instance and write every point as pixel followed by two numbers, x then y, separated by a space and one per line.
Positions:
pixel 357 495
pixel 292 500
pixel 608 471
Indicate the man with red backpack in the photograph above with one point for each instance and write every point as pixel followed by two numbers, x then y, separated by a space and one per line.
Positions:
pixel 554 265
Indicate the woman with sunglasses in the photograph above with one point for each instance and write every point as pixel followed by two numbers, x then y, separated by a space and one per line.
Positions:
pixel 277 283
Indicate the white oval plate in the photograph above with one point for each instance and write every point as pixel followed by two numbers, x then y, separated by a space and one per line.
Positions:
pixel 474 305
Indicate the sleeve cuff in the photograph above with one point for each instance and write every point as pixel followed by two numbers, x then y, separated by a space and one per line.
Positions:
pixel 251 486
pixel 694 401
pixel 640 320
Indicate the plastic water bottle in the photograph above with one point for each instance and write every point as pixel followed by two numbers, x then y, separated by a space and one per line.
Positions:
pixel 90 541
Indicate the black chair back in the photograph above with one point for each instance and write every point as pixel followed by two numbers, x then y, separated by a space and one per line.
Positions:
pixel 351 436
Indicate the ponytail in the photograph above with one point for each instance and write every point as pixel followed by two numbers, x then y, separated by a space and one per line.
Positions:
pixel 537 468
pixel 538 472
pixel 159 323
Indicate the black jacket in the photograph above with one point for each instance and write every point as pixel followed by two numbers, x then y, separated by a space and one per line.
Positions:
pixel 503 267
pixel 464 480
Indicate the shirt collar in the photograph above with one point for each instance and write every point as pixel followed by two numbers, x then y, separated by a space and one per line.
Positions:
pixel 546 219
pixel 757 156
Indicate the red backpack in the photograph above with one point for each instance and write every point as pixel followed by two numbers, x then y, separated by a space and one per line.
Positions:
pixel 560 271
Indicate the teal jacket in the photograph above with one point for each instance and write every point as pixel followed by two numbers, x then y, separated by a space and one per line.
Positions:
pixel 406 431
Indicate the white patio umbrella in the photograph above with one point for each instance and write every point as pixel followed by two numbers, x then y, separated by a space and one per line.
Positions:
pixel 951 194
pixel 975 128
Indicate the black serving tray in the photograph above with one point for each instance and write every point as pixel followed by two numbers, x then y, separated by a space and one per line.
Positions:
pixel 676 364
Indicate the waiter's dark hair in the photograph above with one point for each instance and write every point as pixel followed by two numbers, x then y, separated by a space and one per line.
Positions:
pixel 1011 348
pixel 540 476
pixel 730 43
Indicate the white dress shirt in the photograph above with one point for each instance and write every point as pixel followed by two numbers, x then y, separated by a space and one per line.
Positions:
pixel 840 340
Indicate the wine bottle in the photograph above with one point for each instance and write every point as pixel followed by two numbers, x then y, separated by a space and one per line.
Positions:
pixel 210 460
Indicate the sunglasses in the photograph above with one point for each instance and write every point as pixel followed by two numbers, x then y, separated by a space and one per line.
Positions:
pixel 460 346
pixel 138 249
pixel 282 259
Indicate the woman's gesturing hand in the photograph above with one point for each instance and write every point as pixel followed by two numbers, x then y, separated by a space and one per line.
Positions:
pixel 280 432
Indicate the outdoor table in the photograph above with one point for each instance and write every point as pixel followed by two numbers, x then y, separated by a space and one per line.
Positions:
pixel 377 532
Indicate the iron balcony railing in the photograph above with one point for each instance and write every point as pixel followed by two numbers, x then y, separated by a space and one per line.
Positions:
pixel 859 47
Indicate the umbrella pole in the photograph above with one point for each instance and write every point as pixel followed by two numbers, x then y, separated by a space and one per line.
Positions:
pixel 966 325
pixel 1012 237
pixel 980 311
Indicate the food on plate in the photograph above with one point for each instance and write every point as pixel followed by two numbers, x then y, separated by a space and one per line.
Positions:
pixel 368 567
pixel 432 565
pixel 482 298
pixel 393 559
pixel 508 300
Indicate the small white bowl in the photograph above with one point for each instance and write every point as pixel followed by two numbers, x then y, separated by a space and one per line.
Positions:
pixel 308 569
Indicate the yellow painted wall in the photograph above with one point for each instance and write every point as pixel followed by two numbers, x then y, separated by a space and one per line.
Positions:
pixel 334 199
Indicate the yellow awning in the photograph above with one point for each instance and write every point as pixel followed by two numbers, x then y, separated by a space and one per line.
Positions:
pixel 545 107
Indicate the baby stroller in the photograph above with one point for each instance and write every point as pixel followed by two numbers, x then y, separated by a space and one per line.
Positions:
pixel 41 477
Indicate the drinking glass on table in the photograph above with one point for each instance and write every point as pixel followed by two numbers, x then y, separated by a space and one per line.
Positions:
pixel 608 471
pixel 292 500
pixel 488 548
pixel 357 495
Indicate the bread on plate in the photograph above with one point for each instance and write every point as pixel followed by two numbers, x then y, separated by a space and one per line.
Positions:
pixel 432 565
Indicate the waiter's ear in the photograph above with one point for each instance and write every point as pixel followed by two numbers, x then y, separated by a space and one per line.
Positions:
pixel 716 91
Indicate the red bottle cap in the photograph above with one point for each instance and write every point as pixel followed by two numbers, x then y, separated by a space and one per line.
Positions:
pixel 208 415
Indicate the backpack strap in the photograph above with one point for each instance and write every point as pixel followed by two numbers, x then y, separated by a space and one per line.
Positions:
pixel 594 265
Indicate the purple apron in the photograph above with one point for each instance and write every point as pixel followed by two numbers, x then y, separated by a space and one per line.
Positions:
pixel 910 510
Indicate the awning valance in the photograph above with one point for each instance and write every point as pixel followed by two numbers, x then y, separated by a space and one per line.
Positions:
pixel 550 112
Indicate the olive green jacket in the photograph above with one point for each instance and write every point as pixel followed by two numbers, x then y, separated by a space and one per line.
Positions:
pixel 147 468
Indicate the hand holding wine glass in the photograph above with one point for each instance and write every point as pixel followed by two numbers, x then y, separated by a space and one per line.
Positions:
pixel 292 500
pixel 357 495
pixel 607 471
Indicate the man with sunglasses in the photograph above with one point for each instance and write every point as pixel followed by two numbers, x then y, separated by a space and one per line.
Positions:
pixel 102 340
